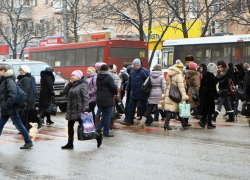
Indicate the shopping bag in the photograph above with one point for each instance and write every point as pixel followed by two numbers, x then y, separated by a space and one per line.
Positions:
pixel 245 109
pixel 52 109
pixel 184 110
pixel 86 130
pixel 119 105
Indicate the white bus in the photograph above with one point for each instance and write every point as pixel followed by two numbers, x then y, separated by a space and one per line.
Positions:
pixel 232 49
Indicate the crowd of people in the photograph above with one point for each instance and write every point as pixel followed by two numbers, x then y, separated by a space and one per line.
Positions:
pixel 198 85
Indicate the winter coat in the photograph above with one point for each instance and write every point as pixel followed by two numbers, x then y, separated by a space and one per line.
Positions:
pixel 175 78
pixel 78 99
pixel 124 82
pixel 240 76
pixel 106 89
pixel 46 91
pixel 115 77
pixel 208 93
pixel 194 80
pixel 135 83
pixel 92 88
pixel 247 86
pixel 8 94
pixel 223 79
pixel 158 86
pixel 26 82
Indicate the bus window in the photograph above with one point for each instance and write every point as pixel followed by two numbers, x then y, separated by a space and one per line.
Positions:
pixel 60 56
pixel 42 56
pixel 70 57
pixel 51 57
pixel 100 54
pixel 91 56
pixel 118 52
pixel 34 56
pixel 80 57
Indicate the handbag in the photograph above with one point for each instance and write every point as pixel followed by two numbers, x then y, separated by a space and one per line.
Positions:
pixel 245 109
pixel 147 86
pixel 86 129
pixel 52 109
pixel 231 87
pixel 239 94
pixel 193 92
pixel 174 94
pixel 184 110
pixel 119 105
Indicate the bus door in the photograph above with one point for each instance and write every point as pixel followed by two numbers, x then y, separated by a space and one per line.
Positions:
pixel 167 59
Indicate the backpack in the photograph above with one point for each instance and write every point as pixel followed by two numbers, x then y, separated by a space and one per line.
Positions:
pixel 21 97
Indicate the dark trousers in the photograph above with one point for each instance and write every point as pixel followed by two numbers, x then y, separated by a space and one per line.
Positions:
pixel 45 114
pixel 71 128
pixel 92 108
pixel 131 108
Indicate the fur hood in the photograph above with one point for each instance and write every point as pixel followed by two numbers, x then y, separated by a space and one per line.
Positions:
pixel 8 73
pixel 173 71
pixel 191 73
pixel 223 73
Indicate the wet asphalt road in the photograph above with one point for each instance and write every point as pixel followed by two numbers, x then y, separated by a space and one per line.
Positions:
pixel 150 153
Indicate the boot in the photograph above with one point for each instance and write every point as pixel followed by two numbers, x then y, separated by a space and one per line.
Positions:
pixel 49 121
pixel 112 126
pixel 97 119
pixel 186 121
pixel 183 123
pixel 203 121
pixel 69 145
pixel 142 123
pixel 166 124
pixel 99 138
pixel 210 125
pixel 215 116
pixel 40 123
pixel 231 117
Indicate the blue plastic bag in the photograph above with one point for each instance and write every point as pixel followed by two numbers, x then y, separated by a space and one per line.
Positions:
pixel 88 123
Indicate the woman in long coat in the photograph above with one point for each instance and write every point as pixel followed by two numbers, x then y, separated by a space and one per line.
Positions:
pixel 78 103
pixel 207 97
pixel 28 112
pixel 193 79
pixel 46 93
pixel 176 78
pixel 158 85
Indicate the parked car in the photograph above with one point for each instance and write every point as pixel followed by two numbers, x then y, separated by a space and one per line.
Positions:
pixel 36 67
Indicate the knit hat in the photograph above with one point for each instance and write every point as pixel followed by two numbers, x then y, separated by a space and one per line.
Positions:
pixel 91 69
pixel 99 64
pixel 48 69
pixel 193 66
pixel 178 64
pixel 25 68
pixel 8 73
pixel 136 62
pixel 77 73
pixel 157 67
pixel 212 68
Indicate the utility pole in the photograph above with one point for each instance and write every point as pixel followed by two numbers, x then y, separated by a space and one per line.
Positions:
pixel 65 21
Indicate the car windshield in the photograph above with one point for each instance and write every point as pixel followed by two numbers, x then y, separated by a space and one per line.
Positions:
pixel 35 68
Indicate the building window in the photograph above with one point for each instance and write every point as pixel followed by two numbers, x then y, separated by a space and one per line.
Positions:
pixel 215 8
pixel 58 27
pixel 45 1
pixel 193 8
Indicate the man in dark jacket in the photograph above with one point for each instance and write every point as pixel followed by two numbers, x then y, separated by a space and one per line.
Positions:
pixel 137 78
pixel 106 89
pixel 223 77
pixel 8 95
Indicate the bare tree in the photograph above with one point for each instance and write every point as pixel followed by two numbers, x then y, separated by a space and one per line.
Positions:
pixel 239 12
pixel 13 29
